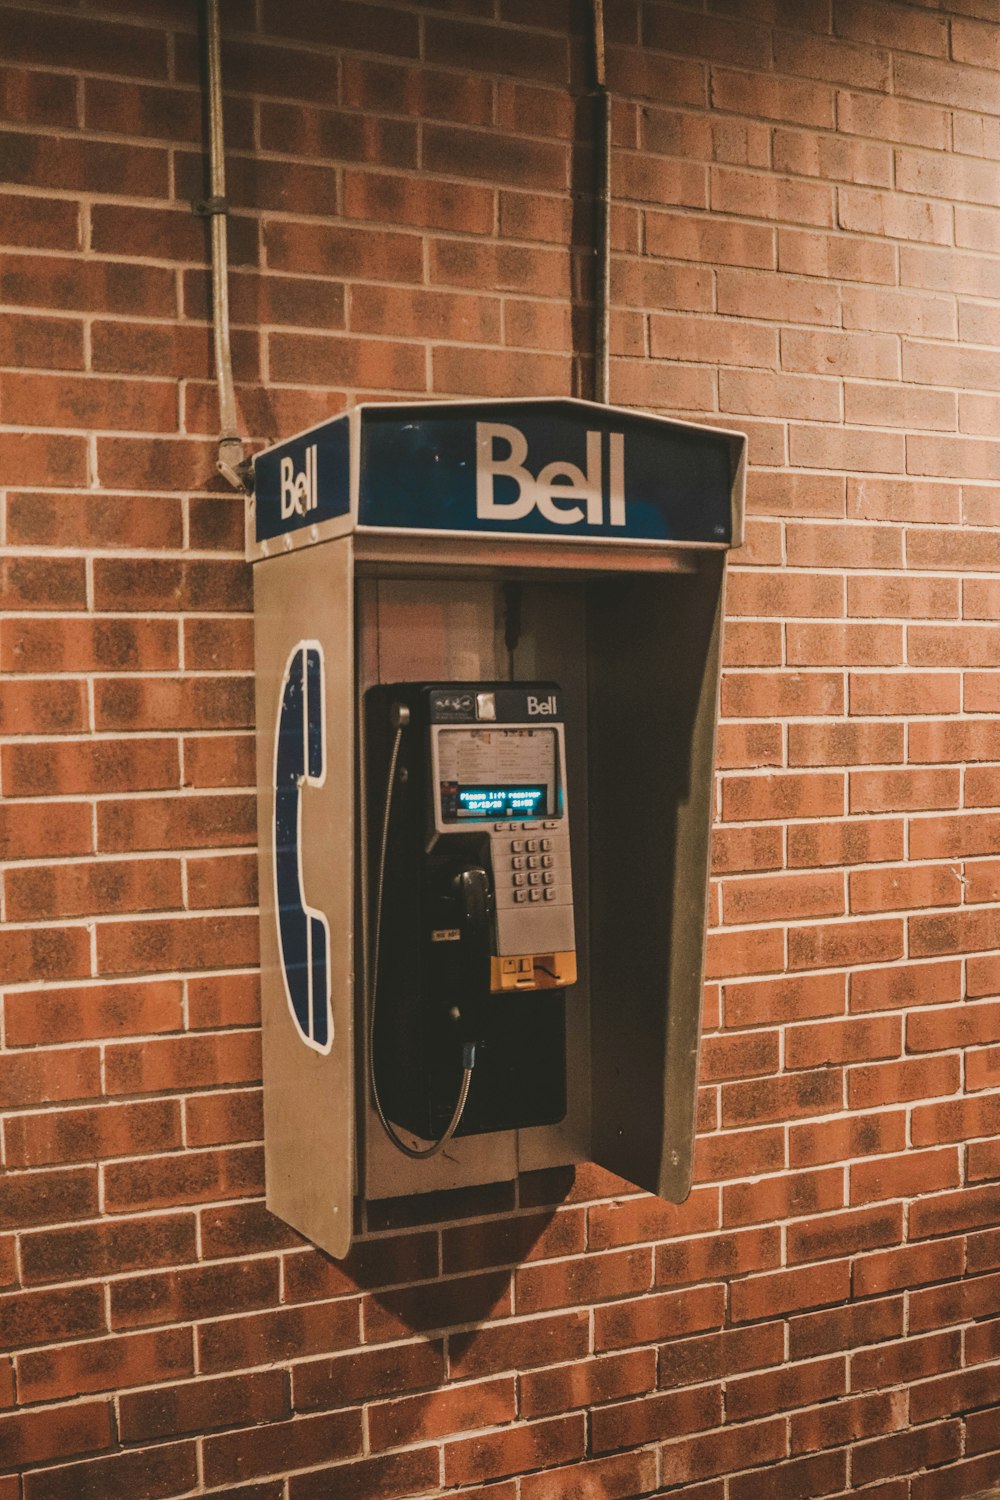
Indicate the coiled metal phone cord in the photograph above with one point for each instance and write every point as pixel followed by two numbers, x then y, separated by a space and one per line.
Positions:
pixel 468 1049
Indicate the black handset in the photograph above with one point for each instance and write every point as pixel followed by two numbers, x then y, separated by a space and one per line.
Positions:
pixel 471 890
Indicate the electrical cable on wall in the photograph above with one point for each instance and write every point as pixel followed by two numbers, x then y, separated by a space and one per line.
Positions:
pixel 602 215
pixel 232 462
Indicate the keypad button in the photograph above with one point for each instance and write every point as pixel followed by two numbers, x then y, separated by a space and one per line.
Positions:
pixel 550 894
pixel 521 895
pixel 550 825
pixel 517 846
pixel 535 894
pixel 517 863
pixel 548 860
pixel 519 879
pixel 546 843
pixel 531 845
pixel 529 825
pixel 534 880
pixel 532 861
pixel 549 877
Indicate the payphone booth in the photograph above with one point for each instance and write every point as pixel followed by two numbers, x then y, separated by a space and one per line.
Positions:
pixel 487 663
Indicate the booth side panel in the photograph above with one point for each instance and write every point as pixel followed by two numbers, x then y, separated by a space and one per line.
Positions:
pixel 653 691
pixel 305 699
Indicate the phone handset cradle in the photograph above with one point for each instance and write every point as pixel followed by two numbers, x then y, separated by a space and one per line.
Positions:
pixel 476 899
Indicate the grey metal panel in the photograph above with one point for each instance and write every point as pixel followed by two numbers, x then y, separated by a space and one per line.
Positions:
pixel 654 677
pixel 309 1095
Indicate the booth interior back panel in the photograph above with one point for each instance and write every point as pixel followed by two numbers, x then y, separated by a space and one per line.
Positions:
pixel 806 246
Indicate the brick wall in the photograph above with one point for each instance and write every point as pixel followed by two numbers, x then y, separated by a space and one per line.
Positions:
pixel 807 247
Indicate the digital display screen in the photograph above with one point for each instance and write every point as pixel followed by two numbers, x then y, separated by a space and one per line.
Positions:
pixel 497 772
pixel 500 801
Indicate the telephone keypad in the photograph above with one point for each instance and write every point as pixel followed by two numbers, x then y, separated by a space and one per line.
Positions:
pixel 519 862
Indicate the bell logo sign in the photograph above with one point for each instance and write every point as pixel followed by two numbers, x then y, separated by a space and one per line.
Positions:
pixel 561 491
pixel 298 491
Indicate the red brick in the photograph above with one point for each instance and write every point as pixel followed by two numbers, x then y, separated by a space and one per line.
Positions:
pixel 806 1093
pixel 735 849
pixel 519 1344
pixel 182 1062
pixel 902 887
pixel 847 1233
pixel 811 1334
pixel 37 1437
pixel 717 1257
pixel 187 1177
pixel 106 1364
pixel 50 1075
pixel 910 1265
pixel 613 1478
pixel 788 1291
pixel 784 795
pixel 32 1198
pixel 45 1317
pixel 398 1475
pixel 193 1293
pixel 777 694
pixel 786 1197
pixel 487 1403
pixel 843 944
pixel 779 1000
pixel 195 1406
pixel 656 1317
pixel 178 823
pixel 606 1378
pixel 711 1356
pixel 220 1119
pixel 950 1213
pixel 852 645
pixel 840 1139
pixel 527 1446
pixel 720 1452
pixel 67 1135
pixel 219 760
pixel 782 1390
pixel 630 1423
pixel 817 1475
pixel 202 702
pixel 279 1446
pixel 905 1451
pixel 982 1068
pixel 904 1176
pixel 92 1013
pixel 823 1043
pixel 103 1249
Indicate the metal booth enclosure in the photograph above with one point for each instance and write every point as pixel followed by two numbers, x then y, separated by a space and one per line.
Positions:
pixel 487 667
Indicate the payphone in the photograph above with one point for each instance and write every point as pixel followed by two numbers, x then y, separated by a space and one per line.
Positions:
pixel 472 892
pixel 483 901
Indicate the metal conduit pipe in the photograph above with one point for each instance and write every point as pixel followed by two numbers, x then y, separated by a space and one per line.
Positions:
pixel 602 215
pixel 231 462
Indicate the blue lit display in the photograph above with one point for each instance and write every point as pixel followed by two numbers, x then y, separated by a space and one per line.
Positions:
pixel 501 801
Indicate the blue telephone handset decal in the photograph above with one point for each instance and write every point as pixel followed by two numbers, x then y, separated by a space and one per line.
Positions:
pixel 300 759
